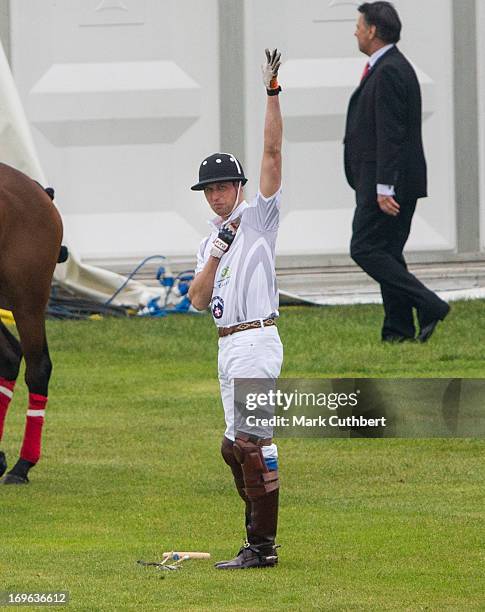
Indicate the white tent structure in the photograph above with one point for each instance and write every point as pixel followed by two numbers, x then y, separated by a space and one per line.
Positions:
pixel 17 149
pixel 125 97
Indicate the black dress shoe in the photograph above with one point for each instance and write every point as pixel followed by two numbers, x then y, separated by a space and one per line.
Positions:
pixel 251 556
pixel 427 331
pixel 3 463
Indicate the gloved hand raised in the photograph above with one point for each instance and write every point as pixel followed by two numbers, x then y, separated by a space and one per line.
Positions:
pixel 270 70
pixel 224 240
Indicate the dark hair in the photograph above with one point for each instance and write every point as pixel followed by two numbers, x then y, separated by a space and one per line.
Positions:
pixel 384 16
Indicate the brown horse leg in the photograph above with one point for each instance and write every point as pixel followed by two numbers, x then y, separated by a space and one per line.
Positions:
pixel 10 358
pixel 38 368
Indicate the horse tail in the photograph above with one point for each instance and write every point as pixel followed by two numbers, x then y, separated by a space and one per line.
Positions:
pixel 63 254
pixel 50 192
pixel 64 251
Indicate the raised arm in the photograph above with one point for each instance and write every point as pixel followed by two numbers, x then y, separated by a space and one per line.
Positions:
pixel 270 178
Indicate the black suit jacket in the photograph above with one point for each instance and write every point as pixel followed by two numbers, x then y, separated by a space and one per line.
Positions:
pixel 383 142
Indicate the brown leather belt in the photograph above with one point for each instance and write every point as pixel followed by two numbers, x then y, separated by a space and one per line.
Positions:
pixel 258 441
pixel 227 331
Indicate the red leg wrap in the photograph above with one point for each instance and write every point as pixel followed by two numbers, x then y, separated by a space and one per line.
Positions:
pixel 31 446
pixel 6 392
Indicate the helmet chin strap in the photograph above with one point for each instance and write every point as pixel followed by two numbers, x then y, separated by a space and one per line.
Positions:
pixel 235 203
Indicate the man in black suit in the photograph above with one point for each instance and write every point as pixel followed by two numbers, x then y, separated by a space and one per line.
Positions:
pixel 385 165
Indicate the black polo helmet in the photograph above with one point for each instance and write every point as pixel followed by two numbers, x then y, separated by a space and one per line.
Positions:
pixel 219 168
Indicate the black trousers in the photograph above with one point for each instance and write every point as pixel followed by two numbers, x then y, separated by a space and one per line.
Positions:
pixel 377 247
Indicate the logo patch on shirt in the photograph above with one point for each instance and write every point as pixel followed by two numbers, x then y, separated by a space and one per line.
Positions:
pixel 217 307
pixel 224 278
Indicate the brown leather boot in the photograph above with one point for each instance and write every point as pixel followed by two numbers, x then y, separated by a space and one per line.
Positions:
pixel 261 488
pixel 264 519
pixel 251 556
pixel 228 456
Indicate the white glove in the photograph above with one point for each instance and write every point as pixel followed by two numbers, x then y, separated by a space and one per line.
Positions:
pixel 224 240
pixel 270 69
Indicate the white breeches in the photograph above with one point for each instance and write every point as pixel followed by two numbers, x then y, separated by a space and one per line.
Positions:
pixel 254 353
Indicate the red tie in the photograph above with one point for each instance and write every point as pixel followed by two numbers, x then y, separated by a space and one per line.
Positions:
pixel 366 72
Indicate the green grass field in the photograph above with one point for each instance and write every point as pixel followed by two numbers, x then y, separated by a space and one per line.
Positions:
pixel 131 467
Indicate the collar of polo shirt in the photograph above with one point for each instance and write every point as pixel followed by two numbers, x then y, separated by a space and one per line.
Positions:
pixel 216 222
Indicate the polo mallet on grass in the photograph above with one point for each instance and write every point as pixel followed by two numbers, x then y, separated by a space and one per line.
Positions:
pixel 178 557
pixel 160 566
pixel 182 556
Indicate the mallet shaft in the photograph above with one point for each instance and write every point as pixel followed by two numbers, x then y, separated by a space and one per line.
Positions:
pixel 190 555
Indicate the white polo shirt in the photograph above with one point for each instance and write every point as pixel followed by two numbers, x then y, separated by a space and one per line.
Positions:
pixel 245 286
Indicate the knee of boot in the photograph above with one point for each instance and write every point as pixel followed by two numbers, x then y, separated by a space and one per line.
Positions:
pixel 258 479
pixel 227 452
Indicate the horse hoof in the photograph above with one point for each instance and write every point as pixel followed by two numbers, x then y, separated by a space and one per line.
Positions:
pixel 3 463
pixel 15 479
